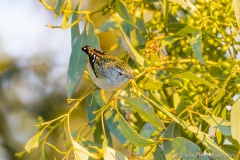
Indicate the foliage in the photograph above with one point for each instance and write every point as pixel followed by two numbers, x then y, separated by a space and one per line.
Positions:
pixel 186 71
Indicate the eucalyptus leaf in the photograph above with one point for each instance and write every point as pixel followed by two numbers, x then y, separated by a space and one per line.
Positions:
pixel 196 46
pixel 121 9
pixel 74 29
pixel 81 153
pixel 58 7
pixel 221 124
pixel 145 110
pixel 235 125
pixel 77 63
pixel 110 153
pixel 184 148
pixel 132 136
pixel 188 75
pixel 159 154
pixel 236 6
pixel 33 142
pixel 170 39
pixel 137 56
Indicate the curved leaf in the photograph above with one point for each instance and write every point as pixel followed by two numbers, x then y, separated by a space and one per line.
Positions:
pixel 121 9
pixel 170 39
pixel 221 124
pixel 196 46
pixel 150 84
pixel 110 153
pixel 81 153
pixel 58 7
pixel 75 28
pixel 137 56
pixel 131 135
pixel 93 40
pixel 32 143
pixel 77 63
pixel 235 125
pixel 159 154
pixel 236 6
pixel 185 148
pixel 189 75
pixel 145 110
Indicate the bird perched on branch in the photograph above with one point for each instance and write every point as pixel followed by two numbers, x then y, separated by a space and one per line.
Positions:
pixel 106 71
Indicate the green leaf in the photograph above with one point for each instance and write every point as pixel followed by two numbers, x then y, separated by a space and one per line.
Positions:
pixel 137 56
pixel 149 84
pixel 196 46
pixel 188 75
pixel 221 92
pixel 146 132
pixel 172 131
pixel 235 125
pixel 221 124
pixel 170 39
pixel 236 6
pixel 108 25
pixel 232 150
pixel 165 13
pixel 58 7
pixel 75 29
pixel 136 38
pixel 77 63
pixel 110 153
pixel 81 153
pixel 121 9
pixel 216 71
pixel 132 136
pixel 159 154
pixel 145 110
pixel 96 103
pixel 93 40
pixel 176 100
pixel 140 24
pixel 111 122
pixel 185 148
pixel 33 142
pixel 181 29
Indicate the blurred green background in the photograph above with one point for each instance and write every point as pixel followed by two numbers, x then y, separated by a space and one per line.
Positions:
pixel 33 70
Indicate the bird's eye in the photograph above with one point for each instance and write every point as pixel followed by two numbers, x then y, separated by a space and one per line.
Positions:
pixel 121 73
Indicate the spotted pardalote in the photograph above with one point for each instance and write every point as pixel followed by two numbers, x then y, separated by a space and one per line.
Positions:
pixel 106 71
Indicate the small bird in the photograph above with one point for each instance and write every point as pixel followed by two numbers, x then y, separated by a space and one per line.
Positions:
pixel 106 71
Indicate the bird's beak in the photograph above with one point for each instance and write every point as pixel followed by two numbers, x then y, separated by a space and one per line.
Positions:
pixel 130 77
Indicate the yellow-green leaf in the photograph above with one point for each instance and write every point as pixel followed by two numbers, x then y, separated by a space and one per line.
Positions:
pixel 121 9
pixel 58 7
pixel 145 110
pixel 221 124
pixel 235 125
pixel 110 153
pixel 77 63
pixel 137 56
pixel 131 135
pixel 33 142
pixel 236 6
pixel 81 153
pixel 188 75
pixel 196 46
